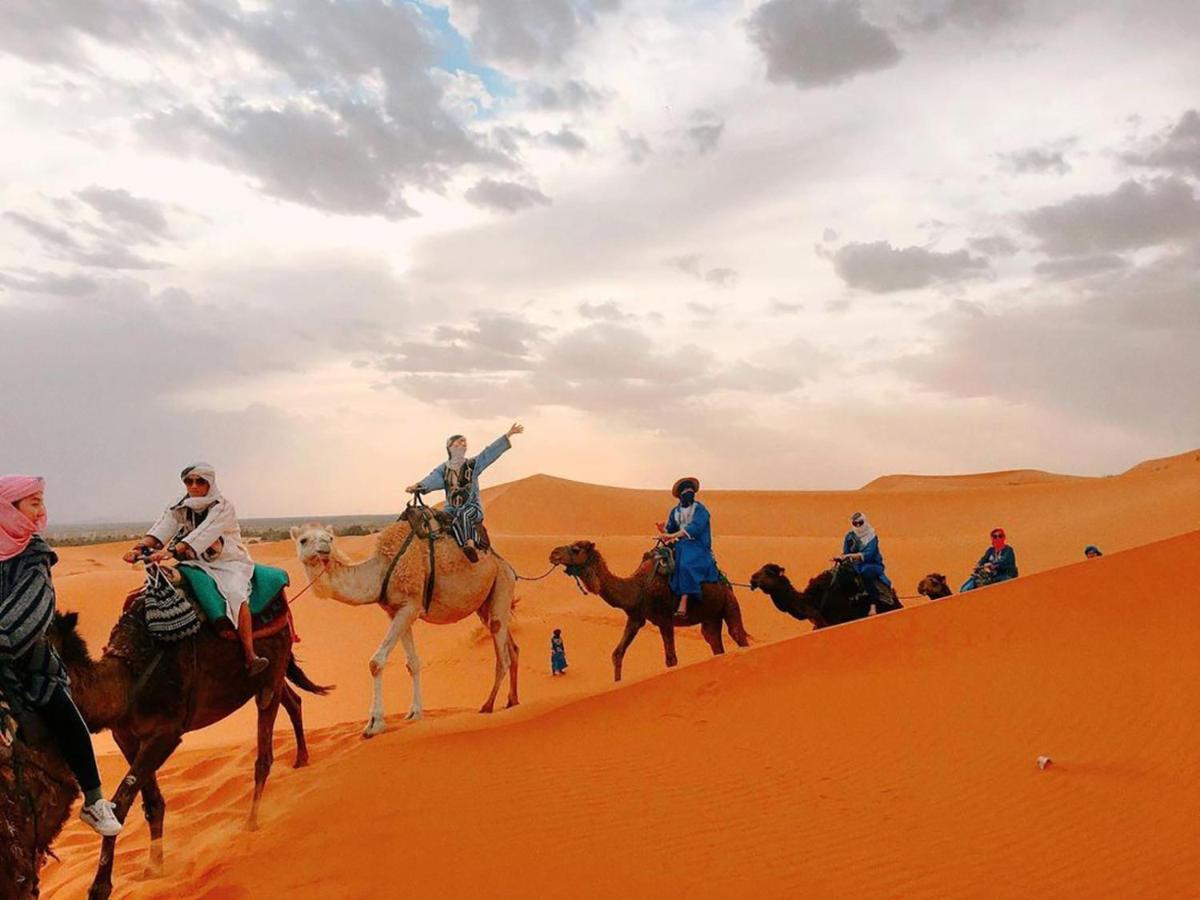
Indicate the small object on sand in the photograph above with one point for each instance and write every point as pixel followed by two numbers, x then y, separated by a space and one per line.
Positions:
pixel 1044 761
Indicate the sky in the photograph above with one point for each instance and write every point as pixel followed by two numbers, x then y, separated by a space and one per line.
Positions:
pixel 792 244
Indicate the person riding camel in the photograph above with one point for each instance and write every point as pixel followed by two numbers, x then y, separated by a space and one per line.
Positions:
pixel 860 546
pixel 30 670
pixel 458 476
pixel 689 529
pixel 201 529
pixel 998 563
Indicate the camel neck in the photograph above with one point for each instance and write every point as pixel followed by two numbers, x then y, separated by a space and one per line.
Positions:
pixel 102 690
pixel 355 584
pixel 617 592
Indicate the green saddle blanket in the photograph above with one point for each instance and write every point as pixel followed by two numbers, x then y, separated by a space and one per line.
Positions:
pixel 266 583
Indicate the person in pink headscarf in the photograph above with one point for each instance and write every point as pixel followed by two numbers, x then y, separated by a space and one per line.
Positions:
pixel 30 671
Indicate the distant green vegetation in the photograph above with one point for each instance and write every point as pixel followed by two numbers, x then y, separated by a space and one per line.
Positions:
pixel 78 536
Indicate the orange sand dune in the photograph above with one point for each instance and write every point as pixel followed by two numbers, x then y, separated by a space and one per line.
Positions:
pixel 893 756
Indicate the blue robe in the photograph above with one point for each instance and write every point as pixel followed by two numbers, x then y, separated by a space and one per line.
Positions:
pixel 465 506
pixel 558 656
pixel 694 562
pixel 872 561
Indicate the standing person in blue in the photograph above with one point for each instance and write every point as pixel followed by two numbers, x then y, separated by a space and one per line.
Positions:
pixel 458 476
pixel 558 653
pixel 689 529
pixel 998 563
pixel 861 547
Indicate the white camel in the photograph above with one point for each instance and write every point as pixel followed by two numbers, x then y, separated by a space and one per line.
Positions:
pixel 485 588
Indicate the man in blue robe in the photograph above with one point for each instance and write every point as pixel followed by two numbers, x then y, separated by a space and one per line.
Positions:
pixel 861 546
pixel 689 529
pixel 459 478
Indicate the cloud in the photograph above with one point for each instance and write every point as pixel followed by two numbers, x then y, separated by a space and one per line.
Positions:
pixel 1035 160
pixel 505 196
pixel 690 264
pixel 57 32
pixel 53 283
pixel 1177 149
pixel 138 219
pixel 105 232
pixel 1071 267
pixel 705 130
pixel 983 15
pixel 606 311
pixel 813 43
pixel 572 95
pixel 1135 214
pixel 880 268
pixel 565 139
pixel 637 148
pixel 524 33
pixel 993 245
pixel 1109 353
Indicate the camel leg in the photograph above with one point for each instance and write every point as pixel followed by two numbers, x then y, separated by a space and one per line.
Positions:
pixel 416 709
pixel 632 627
pixel 514 653
pixel 268 710
pixel 402 620
pixel 152 754
pixel 155 806
pixel 668 638
pixel 293 705
pixel 498 626
pixel 711 629
pixel 733 621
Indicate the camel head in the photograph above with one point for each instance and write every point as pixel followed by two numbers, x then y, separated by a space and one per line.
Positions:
pixel 314 543
pixel 769 578
pixel 63 635
pixel 574 557
pixel 934 586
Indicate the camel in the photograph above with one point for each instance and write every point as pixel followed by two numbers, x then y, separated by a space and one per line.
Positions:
pixel 460 588
pixel 934 586
pixel 151 694
pixel 833 597
pixel 646 597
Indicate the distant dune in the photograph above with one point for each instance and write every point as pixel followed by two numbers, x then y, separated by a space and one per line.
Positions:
pixel 891 757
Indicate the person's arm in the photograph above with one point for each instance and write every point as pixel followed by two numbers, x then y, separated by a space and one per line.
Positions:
pixel 698 525
pixel 984 559
pixel 870 554
pixel 221 518
pixel 434 481
pixel 492 452
pixel 162 530
pixel 848 543
pixel 1008 563
pixel 30 590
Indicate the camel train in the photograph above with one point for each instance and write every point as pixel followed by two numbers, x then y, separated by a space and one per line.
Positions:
pixel 149 694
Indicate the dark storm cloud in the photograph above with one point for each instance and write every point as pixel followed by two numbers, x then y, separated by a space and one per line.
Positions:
pixel 1135 214
pixel 880 268
pixel 811 43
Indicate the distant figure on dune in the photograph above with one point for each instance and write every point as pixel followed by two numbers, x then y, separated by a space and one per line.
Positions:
pixel 30 669
pixel 558 653
pixel 458 477
pixel 689 529
pixel 201 529
pixel 998 563
pixel 1091 551
pixel 860 546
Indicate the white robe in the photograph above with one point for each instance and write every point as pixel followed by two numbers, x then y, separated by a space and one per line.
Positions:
pixel 231 567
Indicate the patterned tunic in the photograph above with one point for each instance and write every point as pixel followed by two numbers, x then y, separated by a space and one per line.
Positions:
pixel 29 667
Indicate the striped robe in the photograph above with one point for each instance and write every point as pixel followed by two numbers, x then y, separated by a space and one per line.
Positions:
pixel 28 665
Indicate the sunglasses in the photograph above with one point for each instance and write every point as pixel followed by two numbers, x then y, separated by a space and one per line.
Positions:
pixel 997 534
pixel 191 481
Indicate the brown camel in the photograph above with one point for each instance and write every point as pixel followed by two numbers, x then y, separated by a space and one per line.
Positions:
pixel 833 597
pixel 934 586
pixel 646 597
pixel 37 791
pixel 460 588
pixel 151 694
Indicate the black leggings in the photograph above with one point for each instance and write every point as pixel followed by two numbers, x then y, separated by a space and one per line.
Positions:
pixel 72 737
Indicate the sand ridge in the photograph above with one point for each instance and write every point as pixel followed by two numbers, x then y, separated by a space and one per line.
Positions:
pixel 889 757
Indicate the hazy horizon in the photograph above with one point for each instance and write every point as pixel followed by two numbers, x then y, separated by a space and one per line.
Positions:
pixel 780 244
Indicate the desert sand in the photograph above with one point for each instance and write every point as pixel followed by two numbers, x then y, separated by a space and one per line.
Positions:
pixel 889 757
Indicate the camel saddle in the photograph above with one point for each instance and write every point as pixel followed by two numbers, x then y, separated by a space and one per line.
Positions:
pixel 431 523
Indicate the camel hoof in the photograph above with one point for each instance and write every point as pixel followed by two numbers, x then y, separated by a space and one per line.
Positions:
pixel 374 727
pixel 100 892
pixel 414 716
pixel 487 708
pixel 252 824
pixel 512 703
pixel 301 762
pixel 152 872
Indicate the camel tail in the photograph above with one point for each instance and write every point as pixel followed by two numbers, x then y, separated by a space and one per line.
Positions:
pixel 297 677
pixel 733 622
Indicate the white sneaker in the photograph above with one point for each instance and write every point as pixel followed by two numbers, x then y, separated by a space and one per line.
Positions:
pixel 101 818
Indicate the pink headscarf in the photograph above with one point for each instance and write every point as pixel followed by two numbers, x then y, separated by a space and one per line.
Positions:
pixel 16 529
